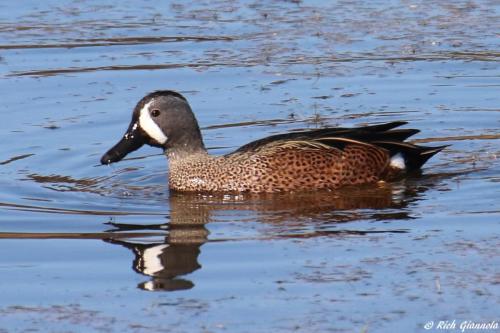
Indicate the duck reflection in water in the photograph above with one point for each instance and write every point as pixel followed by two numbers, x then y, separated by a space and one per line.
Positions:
pixel 168 261
pixel 177 255
pixel 165 261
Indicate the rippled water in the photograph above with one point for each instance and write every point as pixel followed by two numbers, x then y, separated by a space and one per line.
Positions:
pixel 91 248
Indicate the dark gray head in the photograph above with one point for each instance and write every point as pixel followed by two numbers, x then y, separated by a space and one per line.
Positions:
pixel 161 119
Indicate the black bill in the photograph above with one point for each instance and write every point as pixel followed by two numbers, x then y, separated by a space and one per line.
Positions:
pixel 132 140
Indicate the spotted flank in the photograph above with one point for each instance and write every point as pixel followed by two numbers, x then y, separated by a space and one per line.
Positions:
pixel 322 159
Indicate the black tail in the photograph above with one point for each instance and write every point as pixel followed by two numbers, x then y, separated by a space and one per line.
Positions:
pixel 414 156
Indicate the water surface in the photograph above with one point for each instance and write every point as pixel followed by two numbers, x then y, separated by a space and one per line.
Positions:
pixel 91 248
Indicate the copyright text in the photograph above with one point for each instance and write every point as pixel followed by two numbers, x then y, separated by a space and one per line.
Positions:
pixel 462 326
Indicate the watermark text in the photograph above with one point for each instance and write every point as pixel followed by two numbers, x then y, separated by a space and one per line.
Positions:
pixel 462 325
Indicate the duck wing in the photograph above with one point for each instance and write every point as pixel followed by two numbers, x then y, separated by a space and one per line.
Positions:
pixel 366 133
pixel 383 137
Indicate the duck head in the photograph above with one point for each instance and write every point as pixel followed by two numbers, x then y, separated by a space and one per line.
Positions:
pixel 161 119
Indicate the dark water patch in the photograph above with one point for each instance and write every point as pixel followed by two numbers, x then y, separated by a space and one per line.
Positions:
pixel 26 235
pixel 52 72
pixel 56 210
pixel 119 41
pixel 15 158
pixel 459 138
pixel 249 62
pixel 65 183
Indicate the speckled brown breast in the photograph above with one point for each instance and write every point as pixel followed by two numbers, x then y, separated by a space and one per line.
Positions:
pixel 280 168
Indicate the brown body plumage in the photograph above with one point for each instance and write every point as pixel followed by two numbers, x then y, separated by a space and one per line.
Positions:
pixel 302 161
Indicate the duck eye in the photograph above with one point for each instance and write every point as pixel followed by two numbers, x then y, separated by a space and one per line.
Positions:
pixel 155 112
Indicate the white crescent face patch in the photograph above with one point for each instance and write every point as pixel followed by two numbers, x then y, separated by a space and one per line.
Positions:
pixel 149 126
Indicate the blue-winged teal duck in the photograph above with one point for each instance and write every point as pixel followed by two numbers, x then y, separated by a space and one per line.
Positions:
pixel 317 159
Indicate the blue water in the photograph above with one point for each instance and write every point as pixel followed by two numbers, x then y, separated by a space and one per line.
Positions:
pixel 88 248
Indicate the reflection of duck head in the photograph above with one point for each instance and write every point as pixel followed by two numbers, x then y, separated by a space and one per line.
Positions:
pixel 165 261
pixel 177 255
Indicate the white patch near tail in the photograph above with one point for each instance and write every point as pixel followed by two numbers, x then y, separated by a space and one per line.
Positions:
pixel 149 126
pixel 398 162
